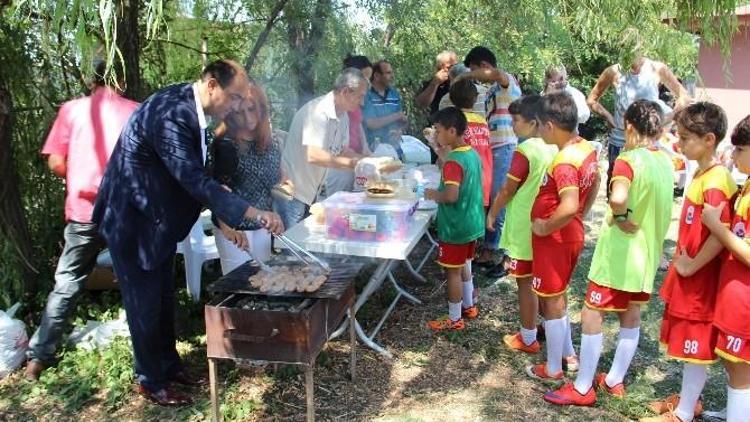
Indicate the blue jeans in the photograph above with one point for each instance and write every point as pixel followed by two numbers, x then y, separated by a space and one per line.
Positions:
pixel 82 245
pixel 613 151
pixel 291 211
pixel 501 158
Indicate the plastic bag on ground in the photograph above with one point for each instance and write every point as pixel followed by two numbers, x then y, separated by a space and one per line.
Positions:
pixel 13 341
pixel 97 334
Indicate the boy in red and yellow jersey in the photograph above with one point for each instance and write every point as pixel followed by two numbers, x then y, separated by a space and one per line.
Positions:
pixel 463 95
pixel 733 296
pixel 567 192
pixel 689 289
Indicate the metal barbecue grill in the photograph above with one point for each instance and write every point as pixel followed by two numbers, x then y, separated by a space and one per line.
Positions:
pixel 253 327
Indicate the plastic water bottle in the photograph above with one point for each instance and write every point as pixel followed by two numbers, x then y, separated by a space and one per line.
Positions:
pixel 420 190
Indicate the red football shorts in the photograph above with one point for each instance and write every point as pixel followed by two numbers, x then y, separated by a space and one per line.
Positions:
pixel 455 256
pixel 603 298
pixel 553 266
pixel 519 268
pixel 733 348
pixel 689 341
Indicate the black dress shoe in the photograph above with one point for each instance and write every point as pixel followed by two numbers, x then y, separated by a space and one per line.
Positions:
pixel 498 271
pixel 186 379
pixel 164 397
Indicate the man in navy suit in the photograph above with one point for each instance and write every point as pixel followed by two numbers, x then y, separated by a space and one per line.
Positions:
pixel 150 197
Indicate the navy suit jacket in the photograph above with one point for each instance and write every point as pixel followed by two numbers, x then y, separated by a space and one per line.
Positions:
pixel 156 182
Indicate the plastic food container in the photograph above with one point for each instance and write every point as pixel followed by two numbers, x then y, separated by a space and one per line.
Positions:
pixel 353 216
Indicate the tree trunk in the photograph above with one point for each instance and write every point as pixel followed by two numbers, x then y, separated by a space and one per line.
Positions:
pixel 305 34
pixel 272 18
pixel 13 227
pixel 129 45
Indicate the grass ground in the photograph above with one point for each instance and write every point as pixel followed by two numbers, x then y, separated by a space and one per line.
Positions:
pixel 466 375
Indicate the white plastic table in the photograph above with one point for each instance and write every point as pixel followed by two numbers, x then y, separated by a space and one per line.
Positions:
pixel 311 236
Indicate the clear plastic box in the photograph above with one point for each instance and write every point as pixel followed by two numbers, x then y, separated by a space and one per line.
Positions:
pixel 354 216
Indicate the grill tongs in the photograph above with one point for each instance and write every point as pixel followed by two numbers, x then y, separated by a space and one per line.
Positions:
pixel 303 254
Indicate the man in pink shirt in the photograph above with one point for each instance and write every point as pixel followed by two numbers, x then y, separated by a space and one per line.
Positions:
pixel 77 148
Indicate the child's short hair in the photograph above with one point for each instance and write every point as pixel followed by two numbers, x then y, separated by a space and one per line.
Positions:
pixel 480 54
pixel 703 118
pixel 560 109
pixel 450 117
pixel 741 132
pixel 357 62
pixel 646 117
pixel 526 107
pixel 463 94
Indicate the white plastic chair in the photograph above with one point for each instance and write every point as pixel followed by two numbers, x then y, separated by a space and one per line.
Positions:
pixel 197 248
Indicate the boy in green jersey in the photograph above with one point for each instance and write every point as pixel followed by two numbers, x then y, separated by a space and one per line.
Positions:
pixel 626 257
pixel 460 217
pixel 530 160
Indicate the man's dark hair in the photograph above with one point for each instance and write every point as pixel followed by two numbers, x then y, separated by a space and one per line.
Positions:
pixel 357 62
pixel 221 70
pixel 100 67
pixel 560 109
pixel 463 94
pixel 480 54
pixel 646 117
pixel 703 118
pixel 450 117
pixel 526 107
pixel 741 132
pixel 378 66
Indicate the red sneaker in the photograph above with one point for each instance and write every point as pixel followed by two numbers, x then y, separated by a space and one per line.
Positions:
pixel 446 324
pixel 601 382
pixel 539 371
pixel 516 344
pixel 470 312
pixel 567 395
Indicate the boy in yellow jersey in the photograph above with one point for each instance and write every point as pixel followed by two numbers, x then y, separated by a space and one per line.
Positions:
pixel 626 257
pixel 567 192
pixel 733 297
pixel 530 160
pixel 460 217
pixel 689 289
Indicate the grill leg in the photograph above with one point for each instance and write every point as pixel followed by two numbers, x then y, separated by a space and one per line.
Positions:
pixel 352 344
pixel 309 388
pixel 215 416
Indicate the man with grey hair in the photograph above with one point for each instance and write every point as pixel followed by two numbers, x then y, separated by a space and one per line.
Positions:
pixel 318 140
pixel 556 79
pixel 433 90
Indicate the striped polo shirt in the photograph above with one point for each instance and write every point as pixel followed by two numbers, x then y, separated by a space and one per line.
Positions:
pixel 498 118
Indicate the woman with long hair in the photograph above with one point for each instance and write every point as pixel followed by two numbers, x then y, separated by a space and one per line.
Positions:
pixel 247 160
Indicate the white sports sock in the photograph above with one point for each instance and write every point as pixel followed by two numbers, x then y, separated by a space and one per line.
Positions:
pixel 528 336
pixel 454 311
pixel 468 285
pixel 738 405
pixel 467 269
pixel 693 379
pixel 627 343
pixel 591 350
pixel 568 349
pixel 555 332
pixel 468 291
